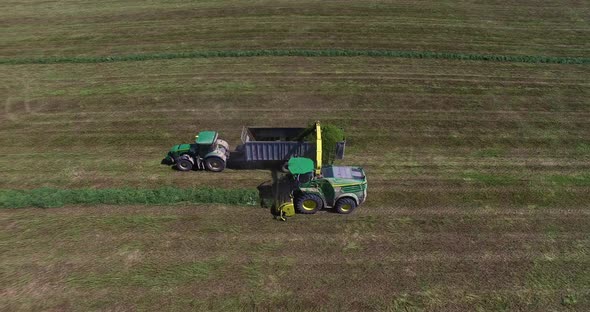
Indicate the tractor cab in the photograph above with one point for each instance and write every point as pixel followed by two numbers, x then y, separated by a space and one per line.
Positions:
pixel 208 152
pixel 205 142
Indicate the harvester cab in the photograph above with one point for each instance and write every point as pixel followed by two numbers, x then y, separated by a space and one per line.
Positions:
pixel 342 188
pixel 315 187
pixel 208 152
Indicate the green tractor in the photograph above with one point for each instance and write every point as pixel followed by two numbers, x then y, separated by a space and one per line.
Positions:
pixel 342 188
pixel 208 152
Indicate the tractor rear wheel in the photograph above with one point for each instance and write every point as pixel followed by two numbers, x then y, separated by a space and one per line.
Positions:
pixel 308 203
pixel 345 205
pixel 215 164
pixel 184 164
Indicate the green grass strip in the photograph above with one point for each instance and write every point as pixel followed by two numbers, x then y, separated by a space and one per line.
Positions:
pixel 50 197
pixel 304 53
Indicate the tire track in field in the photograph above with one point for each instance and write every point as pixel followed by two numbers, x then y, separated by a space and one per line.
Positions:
pixel 371 78
pixel 314 74
pixel 304 53
pixel 383 114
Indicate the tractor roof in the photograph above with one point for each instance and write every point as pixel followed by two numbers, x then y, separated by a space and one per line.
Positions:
pixel 207 137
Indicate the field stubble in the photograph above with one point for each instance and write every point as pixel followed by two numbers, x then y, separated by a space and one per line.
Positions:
pixel 220 257
pixel 477 188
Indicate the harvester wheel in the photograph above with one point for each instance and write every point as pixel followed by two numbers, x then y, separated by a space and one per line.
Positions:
pixel 345 205
pixel 308 203
pixel 184 164
pixel 215 164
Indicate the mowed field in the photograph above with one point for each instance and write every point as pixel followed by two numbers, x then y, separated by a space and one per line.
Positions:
pixel 479 181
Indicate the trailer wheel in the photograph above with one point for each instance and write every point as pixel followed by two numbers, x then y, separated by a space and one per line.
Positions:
pixel 345 205
pixel 215 164
pixel 184 163
pixel 308 203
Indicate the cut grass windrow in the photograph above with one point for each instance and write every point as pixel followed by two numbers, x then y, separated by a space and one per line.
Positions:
pixel 50 197
pixel 302 53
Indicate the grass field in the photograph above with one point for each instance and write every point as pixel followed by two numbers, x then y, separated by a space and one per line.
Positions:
pixel 37 28
pixel 479 180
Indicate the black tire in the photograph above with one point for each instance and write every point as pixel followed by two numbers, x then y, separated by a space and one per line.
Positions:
pixel 308 203
pixel 184 164
pixel 345 205
pixel 214 164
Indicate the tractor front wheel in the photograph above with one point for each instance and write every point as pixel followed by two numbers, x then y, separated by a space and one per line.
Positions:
pixel 184 164
pixel 308 203
pixel 345 205
pixel 215 164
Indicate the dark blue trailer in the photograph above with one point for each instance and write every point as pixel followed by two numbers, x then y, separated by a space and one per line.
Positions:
pixel 271 148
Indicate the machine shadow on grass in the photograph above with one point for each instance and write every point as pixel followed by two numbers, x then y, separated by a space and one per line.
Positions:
pixel 275 191
pixel 271 193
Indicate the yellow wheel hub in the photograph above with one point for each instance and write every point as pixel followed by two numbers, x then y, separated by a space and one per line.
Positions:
pixel 309 204
pixel 346 207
